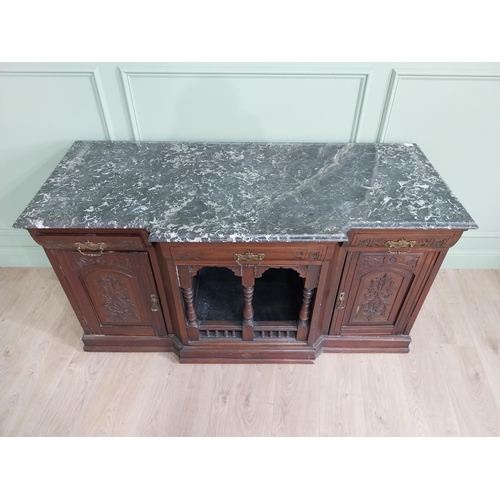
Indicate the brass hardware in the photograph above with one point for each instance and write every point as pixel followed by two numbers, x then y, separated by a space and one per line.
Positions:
pixel 248 258
pixel 155 303
pixel 340 301
pixel 88 245
pixel 402 243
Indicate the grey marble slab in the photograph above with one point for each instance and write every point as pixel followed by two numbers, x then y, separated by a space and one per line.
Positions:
pixel 195 192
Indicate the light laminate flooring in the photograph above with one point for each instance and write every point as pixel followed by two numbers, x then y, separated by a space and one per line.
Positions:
pixel 448 385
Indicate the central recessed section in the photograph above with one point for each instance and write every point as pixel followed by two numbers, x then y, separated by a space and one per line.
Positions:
pixel 219 295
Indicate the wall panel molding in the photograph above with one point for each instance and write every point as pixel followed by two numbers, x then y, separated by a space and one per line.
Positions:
pixel 96 83
pixel 397 77
pixel 477 233
pixel 472 259
pixel 128 74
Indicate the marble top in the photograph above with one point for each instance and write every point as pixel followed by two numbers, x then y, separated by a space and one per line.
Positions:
pixel 195 192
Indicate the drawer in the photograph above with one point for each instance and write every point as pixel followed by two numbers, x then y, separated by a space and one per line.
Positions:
pixel 90 243
pixel 247 253
pixel 402 240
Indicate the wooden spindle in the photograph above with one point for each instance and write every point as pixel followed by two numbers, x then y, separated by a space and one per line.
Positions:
pixel 304 310
pixel 192 320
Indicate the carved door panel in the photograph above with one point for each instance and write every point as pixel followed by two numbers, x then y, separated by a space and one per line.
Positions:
pixel 376 292
pixel 115 291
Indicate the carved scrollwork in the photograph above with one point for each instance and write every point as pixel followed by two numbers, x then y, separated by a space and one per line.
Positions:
pixel 375 260
pixel 193 270
pixel 313 255
pixel 363 242
pixel 438 242
pixel 101 261
pixel 378 242
pixel 420 242
pixel 409 261
pixel 301 270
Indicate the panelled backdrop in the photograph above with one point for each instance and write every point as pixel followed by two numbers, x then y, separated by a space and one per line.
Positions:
pixel 451 110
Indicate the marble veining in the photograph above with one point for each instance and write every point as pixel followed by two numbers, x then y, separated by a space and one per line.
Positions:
pixel 196 192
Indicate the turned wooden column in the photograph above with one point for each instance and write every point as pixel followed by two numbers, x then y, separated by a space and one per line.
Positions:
pixel 186 284
pixel 311 282
pixel 248 282
pixel 307 294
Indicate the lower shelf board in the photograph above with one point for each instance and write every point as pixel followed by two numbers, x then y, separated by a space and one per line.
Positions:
pixel 279 330
pixel 227 351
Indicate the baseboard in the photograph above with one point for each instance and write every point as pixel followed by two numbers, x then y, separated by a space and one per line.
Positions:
pixel 472 259
pixel 31 256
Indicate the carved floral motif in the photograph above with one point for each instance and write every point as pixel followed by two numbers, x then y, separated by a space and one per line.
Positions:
pixel 117 298
pixel 377 298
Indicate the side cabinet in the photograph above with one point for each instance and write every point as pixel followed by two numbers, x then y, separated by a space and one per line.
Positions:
pixel 110 283
pixel 385 278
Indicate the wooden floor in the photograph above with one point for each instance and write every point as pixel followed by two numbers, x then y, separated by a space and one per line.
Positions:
pixel 448 385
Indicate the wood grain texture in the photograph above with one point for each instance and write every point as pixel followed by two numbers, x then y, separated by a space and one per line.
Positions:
pixel 447 385
pixel 387 412
pixel 341 403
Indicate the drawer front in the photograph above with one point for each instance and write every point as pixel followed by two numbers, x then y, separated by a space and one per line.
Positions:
pixel 90 243
pixel 248 253
pixel 402 240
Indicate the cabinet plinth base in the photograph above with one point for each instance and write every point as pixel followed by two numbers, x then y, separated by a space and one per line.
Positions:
pixel 122 343
pixel 256 352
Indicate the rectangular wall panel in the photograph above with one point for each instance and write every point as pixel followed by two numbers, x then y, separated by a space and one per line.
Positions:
pixel 248 106
pixel 42 112
pixel 455 119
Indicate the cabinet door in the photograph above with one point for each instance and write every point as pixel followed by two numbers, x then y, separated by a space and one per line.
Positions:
pixel 115 292
pixel 377 291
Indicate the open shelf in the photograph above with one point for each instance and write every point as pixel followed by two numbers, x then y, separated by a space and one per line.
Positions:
pixel 219 296
pixel 278 295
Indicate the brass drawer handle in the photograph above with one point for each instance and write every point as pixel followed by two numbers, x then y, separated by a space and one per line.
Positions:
pixel 88 245
pixel 155 303
pixel 248 258
pixel 402 243
pixel 340 300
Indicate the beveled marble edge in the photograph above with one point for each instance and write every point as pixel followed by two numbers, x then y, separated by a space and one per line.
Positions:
pixel 261 238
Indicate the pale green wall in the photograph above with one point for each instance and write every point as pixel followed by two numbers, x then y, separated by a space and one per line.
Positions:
pixel 451 110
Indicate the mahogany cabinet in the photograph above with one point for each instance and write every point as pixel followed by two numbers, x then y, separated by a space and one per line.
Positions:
pixel 246 302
